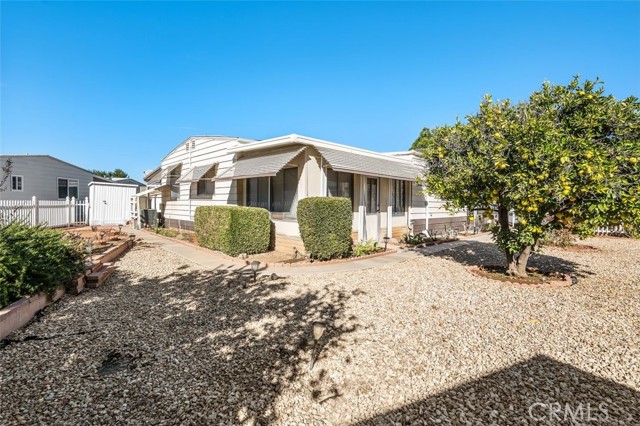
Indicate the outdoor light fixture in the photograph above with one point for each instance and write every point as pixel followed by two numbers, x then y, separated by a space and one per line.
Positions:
pixel 132 237
pixel 120 227
pixel 90 248
pixel 102 234
pixel 318 331
pixel 255 265
pixel 386 241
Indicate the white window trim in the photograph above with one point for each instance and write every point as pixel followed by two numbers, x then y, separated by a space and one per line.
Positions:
pixel 69 185
pixel 21 183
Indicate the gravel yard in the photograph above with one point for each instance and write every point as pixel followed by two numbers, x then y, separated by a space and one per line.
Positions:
pixel 421 342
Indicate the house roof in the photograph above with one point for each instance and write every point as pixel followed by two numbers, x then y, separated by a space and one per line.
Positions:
pixel 343 161
pixel 151 174
pixel 209 137
pixel 398 165
pixel 268 164
pixel 52 158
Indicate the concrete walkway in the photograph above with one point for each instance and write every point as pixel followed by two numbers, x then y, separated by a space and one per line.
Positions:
pixel 212 260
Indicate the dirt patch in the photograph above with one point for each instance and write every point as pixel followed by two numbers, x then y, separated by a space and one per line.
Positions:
pixel 579 248
pixel 535 278
pixel 115 362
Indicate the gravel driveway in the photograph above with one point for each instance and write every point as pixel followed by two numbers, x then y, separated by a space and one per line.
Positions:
pixel 421 342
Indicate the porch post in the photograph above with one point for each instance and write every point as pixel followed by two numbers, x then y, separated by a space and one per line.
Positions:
pixel 362 236
pixel 390 206
pixel 426 211
pixel 138 212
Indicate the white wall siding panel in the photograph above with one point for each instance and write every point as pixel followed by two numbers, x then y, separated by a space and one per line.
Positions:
pixel 40 177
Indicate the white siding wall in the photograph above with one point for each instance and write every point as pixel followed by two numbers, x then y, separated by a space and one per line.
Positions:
pixel 436 209
pixel 40 177
pixel 207 150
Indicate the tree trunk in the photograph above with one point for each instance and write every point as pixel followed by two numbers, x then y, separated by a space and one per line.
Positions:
pixel 522 261
pixel 516 265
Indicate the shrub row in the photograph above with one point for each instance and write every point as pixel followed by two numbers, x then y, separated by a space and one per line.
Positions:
pixel 36 259
pixel 233 230
pixel 325 226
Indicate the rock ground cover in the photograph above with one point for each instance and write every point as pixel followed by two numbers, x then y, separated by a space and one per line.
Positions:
pixel 423 342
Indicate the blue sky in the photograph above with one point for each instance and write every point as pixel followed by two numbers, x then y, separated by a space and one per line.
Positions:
pixel 119 84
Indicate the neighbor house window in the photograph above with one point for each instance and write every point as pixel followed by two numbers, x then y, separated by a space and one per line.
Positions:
pixel 258 192
pixel 339 184
pixel 398 193
pixel 16 183
pixel 67 188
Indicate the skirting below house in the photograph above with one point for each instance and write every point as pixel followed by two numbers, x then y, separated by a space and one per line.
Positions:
pixel 440 223
pixel 186 225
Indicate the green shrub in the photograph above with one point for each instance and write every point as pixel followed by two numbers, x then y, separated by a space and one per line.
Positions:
pixel 35 259
pixel 325 226
pixel 233 229
pixel 365 248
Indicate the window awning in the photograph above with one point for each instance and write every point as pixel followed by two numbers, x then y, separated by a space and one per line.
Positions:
pixel 260 165
pixel 152 191
pixel 169 170
pixel 194 174
pixel 352 162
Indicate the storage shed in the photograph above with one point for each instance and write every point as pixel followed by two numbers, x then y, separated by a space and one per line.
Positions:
pixel 111 202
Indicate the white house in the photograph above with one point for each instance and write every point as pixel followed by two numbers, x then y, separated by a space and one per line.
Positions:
pixel 275 173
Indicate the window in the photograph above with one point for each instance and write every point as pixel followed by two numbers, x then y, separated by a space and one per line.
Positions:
pixel 277 193
pixel 67 188
pixel 284 189
pixel 205 186
pixel 16 183
pixel 372 196
pixel 398 194
pixel 339 184
pixel 258 192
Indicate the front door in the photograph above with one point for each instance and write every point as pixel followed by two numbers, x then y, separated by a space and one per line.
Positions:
pixel 372 204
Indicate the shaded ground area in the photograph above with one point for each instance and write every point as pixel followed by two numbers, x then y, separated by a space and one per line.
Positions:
pixel 419 342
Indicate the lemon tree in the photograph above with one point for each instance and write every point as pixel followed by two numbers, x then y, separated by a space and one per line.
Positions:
pixel 569 156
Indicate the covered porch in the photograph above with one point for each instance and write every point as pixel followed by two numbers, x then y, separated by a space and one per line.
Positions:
pixel 381 190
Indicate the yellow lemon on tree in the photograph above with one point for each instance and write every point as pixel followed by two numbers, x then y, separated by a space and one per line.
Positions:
pixel 633 160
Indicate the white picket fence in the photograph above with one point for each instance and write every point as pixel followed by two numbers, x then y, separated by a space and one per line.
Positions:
pixel 55 213
pixel 612 231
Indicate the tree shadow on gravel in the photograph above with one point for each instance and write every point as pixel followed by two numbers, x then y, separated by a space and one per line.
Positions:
pixel 540 390
pixel 197 347
pixel 477 253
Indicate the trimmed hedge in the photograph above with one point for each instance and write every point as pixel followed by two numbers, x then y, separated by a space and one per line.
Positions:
pixel 233 230
pixel 36 259
pixel 325 226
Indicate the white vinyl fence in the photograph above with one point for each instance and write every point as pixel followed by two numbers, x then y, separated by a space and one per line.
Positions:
pixel 58 213
pixel 612 231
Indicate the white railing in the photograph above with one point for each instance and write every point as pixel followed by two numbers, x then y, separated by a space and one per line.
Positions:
pixel 56 213
pixel 613 231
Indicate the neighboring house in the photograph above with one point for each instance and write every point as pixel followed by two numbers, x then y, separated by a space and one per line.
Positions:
pixel 46 178
pixel 275 173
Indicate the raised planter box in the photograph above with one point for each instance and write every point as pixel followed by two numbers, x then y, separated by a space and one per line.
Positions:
pixel 114 252
pixel 19 313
